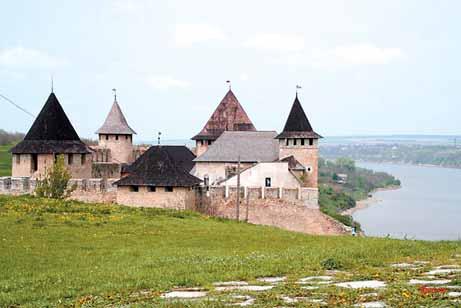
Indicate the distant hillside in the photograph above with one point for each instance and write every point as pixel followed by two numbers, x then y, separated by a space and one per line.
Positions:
pixel 9 138
pixel 417 154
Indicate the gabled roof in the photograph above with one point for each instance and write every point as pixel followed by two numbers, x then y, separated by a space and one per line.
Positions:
pixel 51 132
pixel 162 166
pixel 115 122
pixel 228 116
pixel 252 147
pixel 297 124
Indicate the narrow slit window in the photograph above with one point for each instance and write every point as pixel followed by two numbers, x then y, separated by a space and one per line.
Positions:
pixel 18 159
pixel 134 188
pixel 151 189
pixel 295 141
pixel 169 188
pixel 83 159
pixel 287 142
pixel 311 141
pixel 107 137
pixel 302 141
pixel 70 159
pixel 116 137
pixel 34 162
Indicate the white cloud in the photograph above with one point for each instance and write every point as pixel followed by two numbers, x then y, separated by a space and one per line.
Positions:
pixel 343 56
pixel 26 58
pixel 188 34
pixel 276 41
pixel 166 82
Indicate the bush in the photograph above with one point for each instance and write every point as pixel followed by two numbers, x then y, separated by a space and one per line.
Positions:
pixel 55 183
pixel 331 264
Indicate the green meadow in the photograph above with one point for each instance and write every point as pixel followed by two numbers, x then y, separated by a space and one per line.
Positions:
pixel 66 253
pixel 5 160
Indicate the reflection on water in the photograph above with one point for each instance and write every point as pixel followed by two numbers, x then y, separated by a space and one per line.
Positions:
pixel 428 206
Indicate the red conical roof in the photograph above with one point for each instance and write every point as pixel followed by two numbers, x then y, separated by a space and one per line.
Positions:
pixel 228 116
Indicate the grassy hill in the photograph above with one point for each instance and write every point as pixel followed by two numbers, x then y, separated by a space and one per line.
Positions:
pixel 5 160
pixel 68 253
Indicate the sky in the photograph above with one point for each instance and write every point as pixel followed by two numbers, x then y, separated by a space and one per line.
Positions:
pixel 365 67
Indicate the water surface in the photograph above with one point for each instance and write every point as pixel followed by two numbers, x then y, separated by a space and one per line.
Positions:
pixel 428 206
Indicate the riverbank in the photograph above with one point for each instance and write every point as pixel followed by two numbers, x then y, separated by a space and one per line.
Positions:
pixel 371 200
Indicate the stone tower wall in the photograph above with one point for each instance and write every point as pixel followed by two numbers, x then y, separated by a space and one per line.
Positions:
pixel 78 167
pixel 307 155
pixel 120 146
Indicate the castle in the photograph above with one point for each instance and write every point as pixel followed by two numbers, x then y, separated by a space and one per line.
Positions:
pixel 230 152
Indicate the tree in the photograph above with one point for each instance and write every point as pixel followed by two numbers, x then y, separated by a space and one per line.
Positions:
pixel 55 182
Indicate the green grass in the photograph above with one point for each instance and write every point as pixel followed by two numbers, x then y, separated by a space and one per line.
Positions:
pixel 56 252
pixel 5 160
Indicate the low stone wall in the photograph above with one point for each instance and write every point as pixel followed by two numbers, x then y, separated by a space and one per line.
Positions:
pixel 87 190
pixel 287 214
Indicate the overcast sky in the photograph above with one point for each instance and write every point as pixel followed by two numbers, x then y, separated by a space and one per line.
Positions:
pixel 365 67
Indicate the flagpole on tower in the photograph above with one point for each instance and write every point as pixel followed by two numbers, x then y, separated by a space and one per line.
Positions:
pixel 229 83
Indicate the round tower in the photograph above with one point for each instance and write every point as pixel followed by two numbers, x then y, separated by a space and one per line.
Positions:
pixel 117 136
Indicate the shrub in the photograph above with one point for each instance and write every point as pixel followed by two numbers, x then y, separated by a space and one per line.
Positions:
pixel 331 264
pixel 55 182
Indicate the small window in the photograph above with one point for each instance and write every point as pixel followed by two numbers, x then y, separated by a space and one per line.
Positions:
pixel 311 141
pixel 302 141
pixel 151 188
pixel 116 137
pixel 70 159
pixel 18 159
pixel 34 162
pixel 169 188
pixel 107 137
pixel 209 142
pixel 268 182
pixel 287 142
pixel 206 180
pixel 134 188
pixel 83 159
pixel 201 142
pixel 294 141
pixel 126 137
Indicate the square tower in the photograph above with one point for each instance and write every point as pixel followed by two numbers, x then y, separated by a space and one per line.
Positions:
pixel 299 140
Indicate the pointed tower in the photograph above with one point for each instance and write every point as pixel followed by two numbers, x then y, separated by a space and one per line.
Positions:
pixel 115 134
pixel 228 116
pixel 299 140
pixel 51 135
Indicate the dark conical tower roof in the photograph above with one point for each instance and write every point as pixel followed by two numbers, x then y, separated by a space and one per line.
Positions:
pixel 297 124
pixel 51 132
pixel 116 122
pixel 228 116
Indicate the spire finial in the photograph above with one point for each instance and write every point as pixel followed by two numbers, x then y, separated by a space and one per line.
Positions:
pixel 158 137
pixel 115 94
pixel 297 88
pixel 229 83
pixel 52 84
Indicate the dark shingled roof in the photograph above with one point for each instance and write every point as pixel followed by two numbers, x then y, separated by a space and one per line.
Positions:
pixel 297 125
pixel 51 132
pixel 228 116
pixel 116 123
pixel 162 166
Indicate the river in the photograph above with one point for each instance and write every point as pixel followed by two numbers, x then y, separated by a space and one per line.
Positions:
pixel 427 206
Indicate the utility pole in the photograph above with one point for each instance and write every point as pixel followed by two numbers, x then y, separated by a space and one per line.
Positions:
pixel 248 205
pixel 238 189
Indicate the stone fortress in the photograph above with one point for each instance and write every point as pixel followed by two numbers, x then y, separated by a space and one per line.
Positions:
pixel 269 168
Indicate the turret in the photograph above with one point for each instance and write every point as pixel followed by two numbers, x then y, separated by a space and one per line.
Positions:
pixel 117 136
pixel 299 140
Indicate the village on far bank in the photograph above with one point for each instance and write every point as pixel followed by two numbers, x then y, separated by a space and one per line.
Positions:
pixel 275 173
